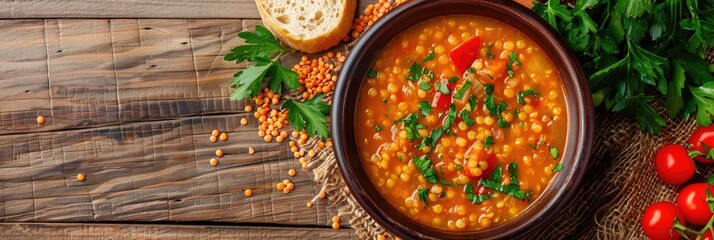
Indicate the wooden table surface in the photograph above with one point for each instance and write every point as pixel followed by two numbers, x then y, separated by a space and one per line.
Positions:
pixel 131 90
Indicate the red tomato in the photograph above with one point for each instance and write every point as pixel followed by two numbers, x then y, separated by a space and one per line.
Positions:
pixel 708 235
pixel 658 221
pixel 673 164
pixel 692 200
pixel 703 135
pixel 465 54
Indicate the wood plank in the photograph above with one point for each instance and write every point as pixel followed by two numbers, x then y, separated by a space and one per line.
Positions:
pixel 11 231
pixel 81 73
pixel 129 9
pixel 153 171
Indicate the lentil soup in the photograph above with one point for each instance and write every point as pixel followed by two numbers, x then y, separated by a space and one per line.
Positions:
pixel 461 122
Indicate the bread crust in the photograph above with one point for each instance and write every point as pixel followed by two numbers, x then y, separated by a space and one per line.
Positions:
pixel 320 43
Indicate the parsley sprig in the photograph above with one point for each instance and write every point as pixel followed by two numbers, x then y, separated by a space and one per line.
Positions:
pixel 262 49
pixel 637 49
pixel 309 115
pixel 511 189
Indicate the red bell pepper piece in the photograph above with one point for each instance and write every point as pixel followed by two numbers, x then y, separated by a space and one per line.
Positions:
pixel 465 54
pixel 443 101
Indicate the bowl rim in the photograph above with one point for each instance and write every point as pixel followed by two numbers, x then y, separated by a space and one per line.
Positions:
pixel 579 109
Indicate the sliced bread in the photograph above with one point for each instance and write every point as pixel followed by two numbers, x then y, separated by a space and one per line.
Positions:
pixel 308 25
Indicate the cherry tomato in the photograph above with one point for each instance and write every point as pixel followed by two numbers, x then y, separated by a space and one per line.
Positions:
pixel 673 164
pixel 465 54
pixel 708 235
pixel 658 221
pixel 703 135
pixel 692 200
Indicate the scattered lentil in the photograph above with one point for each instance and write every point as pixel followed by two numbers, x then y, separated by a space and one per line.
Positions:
pixel 41 120
pixel 248 192
pixel 251 150
pixel 292 172
pixel 214 162
pixel 215 133
pixel 80 177
pixel 224 136
pixel 219 153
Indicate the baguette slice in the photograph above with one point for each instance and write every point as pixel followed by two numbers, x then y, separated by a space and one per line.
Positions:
pixel 308 25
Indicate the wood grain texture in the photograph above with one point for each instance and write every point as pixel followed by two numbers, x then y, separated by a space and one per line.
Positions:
pixel 55 231
pixel 130 103
pixel 89 73
pixel 129 9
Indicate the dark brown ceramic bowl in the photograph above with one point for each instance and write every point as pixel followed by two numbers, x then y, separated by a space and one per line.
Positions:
pixel 578 101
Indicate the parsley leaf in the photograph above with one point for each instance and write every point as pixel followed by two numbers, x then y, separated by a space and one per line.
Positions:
pixel 467 119
pixel 509 70
pixel 459 167
pixel 490 100
pixel 704 98
pixel 488 142
pixel 512 189
pixel 649 119
pixel 428 57
pixel 442 87
pixel 488 51
pixel 377 127
pixel 427 170
pixel 424 108
pixel 554 152
pixel 411 126
pixel 475 199
pixel 558 167
pixel 514 58
pixel 525 93
pixel 425 86
pixel 450 118
pixel 259 48
pixel 372 73
pixel 309 115
pixel 430 140
pixel 472 103
pixel 463 90
pixel 417 71
pixel 424 195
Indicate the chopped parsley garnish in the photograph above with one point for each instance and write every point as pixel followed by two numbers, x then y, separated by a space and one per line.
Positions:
pixel 424 195
pixel 425 86
pixel 514 58
pixel 512 189
pixel 554 152
pixel 490 100
pixel 467 119
pixel 453 79
pixel 501 122
pixel 372 73
pixel 463 90
pixel 450 118
pixel 427 170
pixel 525 93
pixel 459 167
pixel 417 71
pixel 475 199
pixel 488 51
pixel 516 112
pixel 384 100
pixel 522 124
pixel 428 57
pixel 471 70
pixel 377 127
pixel 509 70
pixel 488 142
pixel 430 140
pixel 537 145
pixel 424 108
pixel 558 168
pixel 442 87
pixel 411 126
pixel 472 103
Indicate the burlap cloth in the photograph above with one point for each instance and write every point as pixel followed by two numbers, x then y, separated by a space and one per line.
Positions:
pixel 619 184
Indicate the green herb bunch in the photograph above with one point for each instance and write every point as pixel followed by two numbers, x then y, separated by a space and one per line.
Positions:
pixel 635 50
pixel 263 51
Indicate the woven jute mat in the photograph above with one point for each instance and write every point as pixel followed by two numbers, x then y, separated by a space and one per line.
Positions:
pixel 619 184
